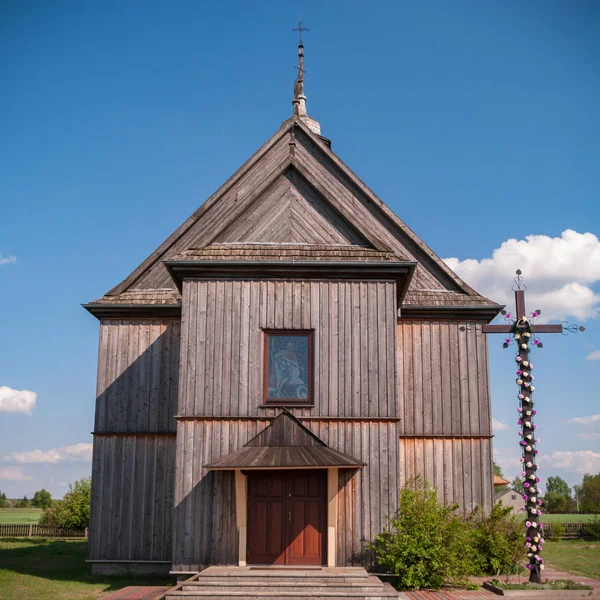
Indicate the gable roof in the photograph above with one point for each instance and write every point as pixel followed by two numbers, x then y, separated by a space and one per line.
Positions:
pixel 285 443
pixel 295 189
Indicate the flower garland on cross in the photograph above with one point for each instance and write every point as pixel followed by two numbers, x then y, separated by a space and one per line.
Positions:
pixel 522 330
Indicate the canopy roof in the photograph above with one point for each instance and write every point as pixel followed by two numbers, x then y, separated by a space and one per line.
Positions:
pixel 285 444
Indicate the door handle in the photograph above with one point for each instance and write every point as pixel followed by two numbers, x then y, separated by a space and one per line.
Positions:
pixel 289 516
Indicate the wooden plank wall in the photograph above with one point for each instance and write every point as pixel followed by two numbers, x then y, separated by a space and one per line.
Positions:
pixel 132 498
pixel 138 374
pixel 443 384
pixel 222 343
pixel 444 403
pixel 459 468
pixel 134 447
pixel 205 520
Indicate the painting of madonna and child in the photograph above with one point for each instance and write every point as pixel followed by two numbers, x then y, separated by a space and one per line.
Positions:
pixel 288 356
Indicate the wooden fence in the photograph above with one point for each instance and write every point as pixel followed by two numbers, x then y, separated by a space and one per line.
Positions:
pixel 39 531
pixel 591 529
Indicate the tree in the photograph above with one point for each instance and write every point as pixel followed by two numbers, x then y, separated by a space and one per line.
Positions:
pixel 517 485
pixel 556 503
pixel 590 494
pixel 23 503
pixel 73 512
pixel 558 485
pixel 42 499
pixel 3 501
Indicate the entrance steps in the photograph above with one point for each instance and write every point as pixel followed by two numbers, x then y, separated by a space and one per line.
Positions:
pixel 240 583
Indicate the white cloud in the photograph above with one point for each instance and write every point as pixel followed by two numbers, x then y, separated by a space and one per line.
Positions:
pixel 579 461
pixel 21 401
pixel 585 420
pixel 77 452
pixel 13 474
pixel 7 260
pixel 595 355
pixel 593 435
pixel 499 425
pixel 559 271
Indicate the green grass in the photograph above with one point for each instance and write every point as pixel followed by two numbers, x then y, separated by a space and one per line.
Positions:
pixel 16 516
pixel 574 556
pixel 40 569
pixel 567 518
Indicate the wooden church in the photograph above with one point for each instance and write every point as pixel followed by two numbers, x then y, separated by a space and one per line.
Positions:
pixel 274 372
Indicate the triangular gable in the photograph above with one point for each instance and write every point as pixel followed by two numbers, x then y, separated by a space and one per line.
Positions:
pixel 317 174
pixel 285 430
pixel 291 212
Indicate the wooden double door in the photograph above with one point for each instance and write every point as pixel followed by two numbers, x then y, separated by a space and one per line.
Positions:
pixel 287 515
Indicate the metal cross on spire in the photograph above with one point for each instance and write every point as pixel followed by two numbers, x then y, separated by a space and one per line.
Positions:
pixel 521 329
pixel 300 29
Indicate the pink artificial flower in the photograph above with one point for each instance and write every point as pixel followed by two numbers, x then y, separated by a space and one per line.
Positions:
pixel 518 359
pixel 520 372
pixel 521 396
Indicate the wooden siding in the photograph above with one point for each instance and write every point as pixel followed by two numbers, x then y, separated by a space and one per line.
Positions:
pixel 292 212
pixel 205 519
pixel 443 384
pixel 138 373
pixel 460 468
pixel 354 345
pixel 132 498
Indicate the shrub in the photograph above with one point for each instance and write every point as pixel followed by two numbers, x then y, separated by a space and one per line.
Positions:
pixel 426 544
pixel 593 528
pixel 73 512
pixel 555 531
pixel 498 541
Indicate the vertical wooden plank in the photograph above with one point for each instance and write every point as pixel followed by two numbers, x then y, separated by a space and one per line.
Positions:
pixel 436 381
pixel 370 320
pixel 427 395
pixel 457 472
pixel 244 402
pixel 323 342
pixel 364 343
pixel 333 356
pixel 125 546
pixel 155 356
pixel 463 370
pixel 255 354
pixel 472 365
pixel 218 349
pixel 166 336
pixel 445 379
pixel 145 362
pixel 400 359
pixel 447 464
pixel 356 345
pixel 485 422
pixel 174 405
pixel 135 353
pixel 102 383
pixel 409 334
pixel 112 396
pixel 455 389
pixel 149 498
pixel 236 319
pixel 95 533
pixel 418 377
pixel 347 343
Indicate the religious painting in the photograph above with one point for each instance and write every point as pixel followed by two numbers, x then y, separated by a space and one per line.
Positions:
pixel 288 367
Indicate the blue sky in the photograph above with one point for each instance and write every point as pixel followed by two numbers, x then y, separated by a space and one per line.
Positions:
pixel 476 122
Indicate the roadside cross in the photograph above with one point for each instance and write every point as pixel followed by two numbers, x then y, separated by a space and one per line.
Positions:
pixel 522 329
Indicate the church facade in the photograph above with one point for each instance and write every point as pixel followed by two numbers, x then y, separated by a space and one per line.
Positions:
pixel 277 369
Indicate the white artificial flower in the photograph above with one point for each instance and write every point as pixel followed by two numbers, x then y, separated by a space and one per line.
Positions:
pixel 533 499
pixel 534 548
pixel 525 363
pixel 519 382
pixel 529 465
pixel 528 448
pixel 525 374
pixel 528 424
pixel 532 388
pixel 517 337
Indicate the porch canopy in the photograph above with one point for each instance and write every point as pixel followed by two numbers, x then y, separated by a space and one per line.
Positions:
pixel 285 444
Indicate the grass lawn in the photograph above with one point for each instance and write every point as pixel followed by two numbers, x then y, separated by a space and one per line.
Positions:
pixel 20 515
pixel 32 569
pixel 575 556
pixel 567 518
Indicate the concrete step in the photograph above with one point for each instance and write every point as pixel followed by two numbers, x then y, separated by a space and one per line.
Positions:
pixel 276 579
pixel 304 589
pixel 384 590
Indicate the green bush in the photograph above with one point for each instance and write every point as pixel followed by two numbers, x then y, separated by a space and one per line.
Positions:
pixel 593 528
pixel 555 531
pixel 73 511
pixel 497 541
pixel 426 545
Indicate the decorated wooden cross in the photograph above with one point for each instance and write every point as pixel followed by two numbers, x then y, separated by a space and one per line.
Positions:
pixel 521 329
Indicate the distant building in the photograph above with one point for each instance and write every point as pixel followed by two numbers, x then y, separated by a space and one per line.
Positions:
pixel 510 498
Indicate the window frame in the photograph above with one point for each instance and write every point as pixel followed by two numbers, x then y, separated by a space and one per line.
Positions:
pixel 309 401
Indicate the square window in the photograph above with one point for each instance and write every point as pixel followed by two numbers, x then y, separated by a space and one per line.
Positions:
pixel 288 367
